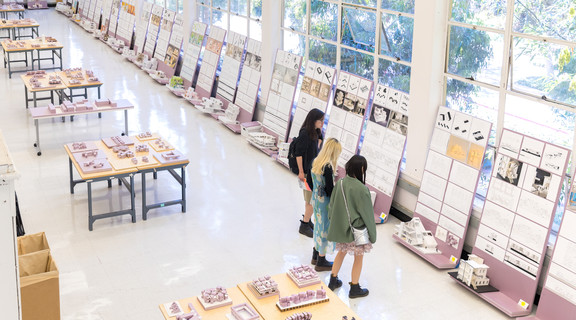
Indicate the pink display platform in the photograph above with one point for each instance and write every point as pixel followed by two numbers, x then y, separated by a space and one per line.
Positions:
pixel 210 306
pixel 163 160
pixel 202 93
pixel 438 260
pixel 110 143
pixel 383 203
pixel 234 127
pixel 169 72
pixel 90 169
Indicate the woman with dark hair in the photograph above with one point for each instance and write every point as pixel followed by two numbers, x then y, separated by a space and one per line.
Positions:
pixel 305 151
pixel 351 205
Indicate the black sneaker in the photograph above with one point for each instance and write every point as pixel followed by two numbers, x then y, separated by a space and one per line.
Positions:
pixel 334 283
pixel 356 291
pixel 305 229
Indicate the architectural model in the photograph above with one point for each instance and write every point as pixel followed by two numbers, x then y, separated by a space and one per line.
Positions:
pixel 302 299
pixel 262 139
pixel 145 159
pixel 263 287
pixel 117 141
pixel 303 275
pixel 145 135
pixel 134 160
pixel 142 148
pixel 78 146
pixel 473 272
pixel 149 65
pixel 192 315
pixel 95 166
pixel 173 308
pixel 170 156
pixel 214 298
pixel 176 82
pixel 250 127
pixel 300 316
pixel 89 154
pixel 210 105
pixel 105 103
pixel 125 154
pixel 244 312
pixel 413 233
pixel 54 79
pixel 192 96
pixel 231 114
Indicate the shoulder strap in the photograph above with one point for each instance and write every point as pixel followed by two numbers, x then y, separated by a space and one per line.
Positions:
pixel 346 203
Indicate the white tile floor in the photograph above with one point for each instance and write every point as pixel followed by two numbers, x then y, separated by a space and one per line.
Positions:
pixel 242 219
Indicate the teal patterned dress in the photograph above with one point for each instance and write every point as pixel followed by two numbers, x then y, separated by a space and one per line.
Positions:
pixel 320 201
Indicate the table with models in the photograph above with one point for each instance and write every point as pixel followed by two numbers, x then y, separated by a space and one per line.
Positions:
pixel 103 161
pixel 37 83
pixel 15 27
pixel 6 9
pixel 12 50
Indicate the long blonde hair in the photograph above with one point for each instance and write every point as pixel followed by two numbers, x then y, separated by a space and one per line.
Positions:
pixel 328 154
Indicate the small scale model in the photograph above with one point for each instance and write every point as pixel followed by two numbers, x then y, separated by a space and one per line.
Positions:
pixel 78 146
pixel 262 139
pixel 192 96
pixel 413 233
pixel 192 315
pixel 244 312
pixel 170 155
pixel 54 80
pixel 150 65
pixel 117 149
pixel 173 309
pixel 214 298
pixel 473 272
pixel 161 144
pixel 302 299
pixel 125 154
pixel 263 287
pixel 210 105
pixel 89 154
pixel 117 141
pixel 145 135
pixel 134 160
pixel 300 316
pixel 95 166
pixel 176 82
pixel 145 159
pixel 142 148
pixel 250 127
pixel 303 276
pixel 231 114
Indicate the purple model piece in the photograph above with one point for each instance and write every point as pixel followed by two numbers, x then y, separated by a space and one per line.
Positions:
pixel 51 108
pixel 244 312
pixel 126 154
pixel 300 316
pixel 265 286
pixel 303 275
pixel 170 155
pixel 214 295
pixel 117 149
pixel 102 102
pixel 145 159
pixel 79 145
pixel 88 154
pixel 301 299
pixel 134 160
pixel 145 135
pixel 192 315
pixel 142 148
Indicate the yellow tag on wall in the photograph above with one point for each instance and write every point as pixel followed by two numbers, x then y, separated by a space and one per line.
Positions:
pixel 453 259
pixel 523 304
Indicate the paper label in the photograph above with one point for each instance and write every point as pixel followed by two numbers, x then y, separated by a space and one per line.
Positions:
pixel 383 217
pixel 453 259
pixel 523 304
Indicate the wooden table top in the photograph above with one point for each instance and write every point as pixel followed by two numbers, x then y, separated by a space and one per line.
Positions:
pixel 219 313
pixel 30 44
pixel 109 173
pixel 83 83
pixel 45 86
pixel 43 112
pixel 10 8
pixel 333 309
pixel 19 23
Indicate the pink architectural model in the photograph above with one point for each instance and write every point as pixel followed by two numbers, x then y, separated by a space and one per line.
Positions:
pixel 145 135
pixel 263 287
pixel 192 315
pixel 145 159
pixel 78 146
pixel 142 148
pixel 300 316
pixel 105 103
pixel 170 156
pixel 173 309
pixel 302 299
pixel 161 144
pixel 126 154
pixel 214 298
pixel 54 80
pixel 89 154
pixel 303 276
pixel 244 312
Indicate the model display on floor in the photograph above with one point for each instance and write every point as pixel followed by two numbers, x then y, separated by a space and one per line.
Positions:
pixel 262 140
pixel 302 299
pixel 230 115
pixel 210 105
pixel 264 287
pixel 210 61
pixel 230 70
pixel 383 145
pixel 300 316
pixel 347 113
pixel 176 85
pixel 413 233
pixel 303 275
pixel 192 96
pixel 214 298
pixel 192 52
pixel 281 96
pixel 160 77
pixel 473 272
pixel 244 311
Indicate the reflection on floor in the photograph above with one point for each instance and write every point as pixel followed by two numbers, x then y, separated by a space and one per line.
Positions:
pixel 242 219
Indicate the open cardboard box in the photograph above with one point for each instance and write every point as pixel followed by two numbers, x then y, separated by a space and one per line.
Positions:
pixel 32 243
pixel 39 286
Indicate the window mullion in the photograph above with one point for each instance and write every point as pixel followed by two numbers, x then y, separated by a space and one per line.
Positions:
pixel 506 70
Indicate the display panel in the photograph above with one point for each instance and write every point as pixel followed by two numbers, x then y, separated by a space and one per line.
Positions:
pixel 249 80
pixel 192 52
pixel 175 44
pixel 210 61
pixel 126 21
pixel 142 27
pixel 164 34
pixel 232 61
pixel 106 11
pixel 96 10
pixel 281 95
pixel 114 12
pixel 153 29
pixel 347 113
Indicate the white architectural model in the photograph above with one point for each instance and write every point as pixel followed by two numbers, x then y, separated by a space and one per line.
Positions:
pixel 149 65
pixel 210 105
pixel 413 233
pixel 473 272
pixel 262 139
pixel 230 115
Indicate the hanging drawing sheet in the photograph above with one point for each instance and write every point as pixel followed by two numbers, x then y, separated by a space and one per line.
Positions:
pixel 383 145
pixel 164 34
pixel 249 83
pixel 314 93
pixel 126 21
pixel 153 29
pixel 192 52
pixel 210 61
pixel 83 8
pixel 517 217
pixel 114 12
pixel 88 9
pixel 347 113
pixel 142 27
pixel 281 96
pixel 231 64
pixel 106 11
pixel 95 15
pixel 174 45
pixel 92 10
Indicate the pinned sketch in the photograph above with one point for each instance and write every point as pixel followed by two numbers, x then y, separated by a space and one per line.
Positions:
pixel 475 156
pixel 393 100
pixel 380 95
pixel 404 103
pixel 343 80
pixel 531 151
pixel 441 233
pixel 457 148
pixel 445 119
pixel 479 131
pixel 497 218
pixel 554 159
pixel 461 125
pixel 365 88
pixel 398 127
pixel 439 141
pixel 508 169
pixel 452 240
pixel 353 85
pixel 510 143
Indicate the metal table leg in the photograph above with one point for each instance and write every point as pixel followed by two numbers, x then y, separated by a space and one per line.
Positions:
pixel 144 208
pixel 125 122
pixel 90 218
pixel 37 143
pixel 183 183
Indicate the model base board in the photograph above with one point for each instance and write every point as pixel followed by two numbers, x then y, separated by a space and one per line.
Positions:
pixel 302 304
pixel 480 289
pixel 258 295
pixel 173 308
pixel 307 277
pixel 210 306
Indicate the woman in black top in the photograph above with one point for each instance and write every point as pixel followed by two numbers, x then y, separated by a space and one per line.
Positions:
pixel 306 150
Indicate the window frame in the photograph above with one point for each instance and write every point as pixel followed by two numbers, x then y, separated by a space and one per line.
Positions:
pixel 229 13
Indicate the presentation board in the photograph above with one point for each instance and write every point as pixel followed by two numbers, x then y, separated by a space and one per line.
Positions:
pixel 210 61
pixel 517 217
pixel 83 6
pixel 192 52
pixel 96 11
pixel 228 80
pixel 153 29
pixel 106 12
pixel 383 145
pixel 174 45
pixel 281 96
pixel 164 34
pixel 114 13
pixel 347 113
pixel 142 27
pixel 249 84
pixel 126 21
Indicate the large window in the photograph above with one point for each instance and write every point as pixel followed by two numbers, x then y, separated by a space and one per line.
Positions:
pixel 241 16
pixel 172 5
pixel 358 36
pixel 513 62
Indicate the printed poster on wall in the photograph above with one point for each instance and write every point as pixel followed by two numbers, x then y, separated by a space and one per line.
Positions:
pixel 193 50
pixel 250 77
pixel 153 29
pixel 164 35
pixel 210 61
pixel 230 72
pixel 173 51
pixel 142 27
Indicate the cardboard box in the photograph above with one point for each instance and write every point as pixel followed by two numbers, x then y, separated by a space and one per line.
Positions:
pixel 39 286
pixel 32 243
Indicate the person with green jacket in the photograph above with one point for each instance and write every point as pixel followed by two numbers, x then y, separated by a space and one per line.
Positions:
pixel 357 196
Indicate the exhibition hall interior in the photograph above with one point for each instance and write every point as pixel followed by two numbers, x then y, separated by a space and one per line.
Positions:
pixel 150 163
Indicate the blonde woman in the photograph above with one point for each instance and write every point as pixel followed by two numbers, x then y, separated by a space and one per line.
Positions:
pixel 323 170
